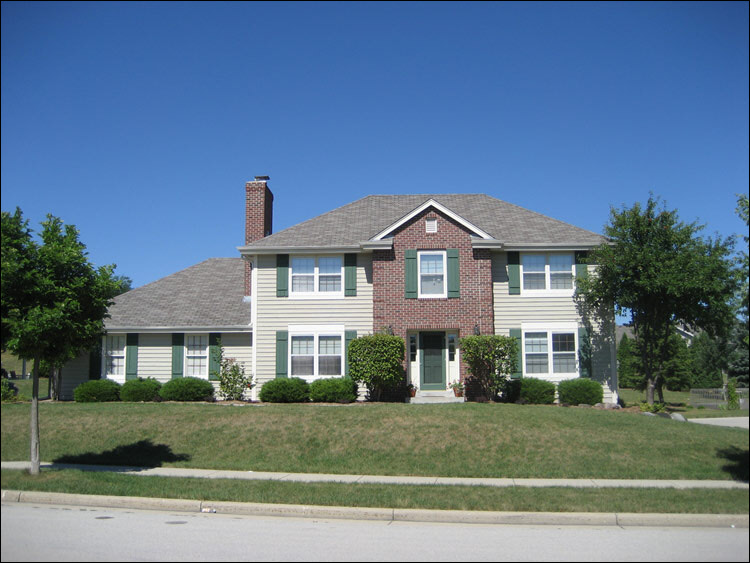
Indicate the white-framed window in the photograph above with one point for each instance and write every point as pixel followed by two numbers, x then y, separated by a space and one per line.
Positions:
pixel 316 276
pixel 316 352
pixel 196 355
pixel 114 356
pixel 432 273
pixel 551 272
pixel 550 351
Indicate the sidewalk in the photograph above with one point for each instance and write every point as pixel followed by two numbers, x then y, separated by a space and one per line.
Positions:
pixel 385 514
pixel 390 479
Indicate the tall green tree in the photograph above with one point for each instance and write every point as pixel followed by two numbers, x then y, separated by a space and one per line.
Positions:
pixel 661 272
pixel 56 300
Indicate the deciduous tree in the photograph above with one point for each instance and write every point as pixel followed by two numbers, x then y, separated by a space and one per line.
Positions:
pixel 661 272
pixel 54 300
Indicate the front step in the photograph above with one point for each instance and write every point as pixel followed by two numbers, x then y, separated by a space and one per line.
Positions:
pixel 435 397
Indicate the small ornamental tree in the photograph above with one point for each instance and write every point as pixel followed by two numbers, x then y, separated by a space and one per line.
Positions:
pixel 661 272
pixel 54 301
pixel 232 379
pixel 376 362
pixel 490 360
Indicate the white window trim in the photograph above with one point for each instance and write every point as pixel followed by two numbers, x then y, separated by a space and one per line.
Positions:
pixel 208 359
pixel 316 294
pixel 444 294
pixel 550 329
pixel 316 331
pixel 114 376
pixel 547 275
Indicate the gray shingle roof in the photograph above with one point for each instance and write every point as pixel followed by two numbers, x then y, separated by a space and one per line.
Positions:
pixel 209 294
pixel 365 218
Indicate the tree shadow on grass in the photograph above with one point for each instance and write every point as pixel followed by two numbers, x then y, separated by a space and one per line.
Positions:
pixel 140 454
pixel 738 462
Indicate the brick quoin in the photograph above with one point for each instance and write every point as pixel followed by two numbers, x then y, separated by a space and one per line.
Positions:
pixel 473 307
pixel 258 218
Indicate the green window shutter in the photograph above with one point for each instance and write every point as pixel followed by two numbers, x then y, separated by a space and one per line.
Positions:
pixel 582 269
pixel 410 273
pixel 514 273
pixel 95 362
pixel 584 352
pixel 282 275
pixel 516 333
pixel 350 274
pixel 282 350
pixel 131 356
pixel 454 278
pixel 349 335
pixel 178 354
pixel 214 343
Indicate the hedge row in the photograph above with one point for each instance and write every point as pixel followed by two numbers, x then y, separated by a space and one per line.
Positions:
pixel 296 390
pixel 182 389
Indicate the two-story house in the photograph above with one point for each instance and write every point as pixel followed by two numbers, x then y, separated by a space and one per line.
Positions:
pixel 430 268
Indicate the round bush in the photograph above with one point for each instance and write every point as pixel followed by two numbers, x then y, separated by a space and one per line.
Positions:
pixel 187 389
pixel 294 390
pixel 580 391
pixel 9 391
pixel 97 391
pixel 333 390
pixel 537 391
pixel 137 390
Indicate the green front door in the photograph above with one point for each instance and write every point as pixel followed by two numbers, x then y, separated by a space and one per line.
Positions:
pixel 432 346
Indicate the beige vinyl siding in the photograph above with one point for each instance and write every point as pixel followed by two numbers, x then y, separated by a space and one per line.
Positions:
pixel 155 356
pixel 277 313
pixel 512 311
pixel 74 373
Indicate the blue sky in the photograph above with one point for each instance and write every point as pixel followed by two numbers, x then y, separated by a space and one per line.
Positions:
pixel 140 122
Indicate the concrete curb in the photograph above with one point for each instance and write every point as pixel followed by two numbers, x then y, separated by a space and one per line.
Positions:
pixel 384 514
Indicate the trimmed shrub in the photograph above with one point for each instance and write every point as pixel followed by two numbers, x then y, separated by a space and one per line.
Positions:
pixel 334 390
pixel 97 391
pixel 187 389
pixel 581 391
pixel 375 361
pixel 490 358
pixel 9 391
pixel 137 390
pixel 283 390
pixel 537 391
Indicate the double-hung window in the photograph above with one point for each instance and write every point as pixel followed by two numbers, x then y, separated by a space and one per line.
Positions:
pixel 549 352
pixel 316 355
pixel 547 272
pixel 114 356
pixel 432 268
pixel 316 276
pixel 196 355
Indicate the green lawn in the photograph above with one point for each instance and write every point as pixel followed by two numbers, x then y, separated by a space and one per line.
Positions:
pixel 24 388
pixel 557 499
pixel 463 440
pixel 678 401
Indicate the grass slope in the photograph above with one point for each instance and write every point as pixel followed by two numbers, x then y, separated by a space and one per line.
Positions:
pixel 465 440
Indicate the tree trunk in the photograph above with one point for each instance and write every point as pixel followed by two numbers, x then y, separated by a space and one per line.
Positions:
pixel 34 469
pixel 660 389
pixel 650 391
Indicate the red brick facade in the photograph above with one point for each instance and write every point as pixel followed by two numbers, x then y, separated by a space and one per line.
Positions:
pixel 473 307
pixel 258 218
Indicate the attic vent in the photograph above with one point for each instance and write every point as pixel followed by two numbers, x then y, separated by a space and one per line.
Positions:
pixel 431 224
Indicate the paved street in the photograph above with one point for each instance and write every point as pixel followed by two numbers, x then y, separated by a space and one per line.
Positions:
pixel 96 534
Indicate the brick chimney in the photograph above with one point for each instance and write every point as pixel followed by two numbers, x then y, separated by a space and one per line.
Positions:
pixel 258 217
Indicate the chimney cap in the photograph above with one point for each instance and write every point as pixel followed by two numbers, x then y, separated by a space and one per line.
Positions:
pixel 262 178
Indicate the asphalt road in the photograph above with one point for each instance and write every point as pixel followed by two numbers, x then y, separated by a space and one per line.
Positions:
pixel 36 532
